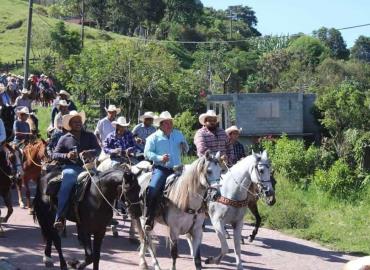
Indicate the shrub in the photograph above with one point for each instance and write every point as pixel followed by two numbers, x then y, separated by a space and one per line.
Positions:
pixel 339 180
pixel 15 25
pixel 291 159
pixel 186 122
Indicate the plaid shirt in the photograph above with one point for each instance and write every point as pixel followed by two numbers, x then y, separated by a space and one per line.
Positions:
pixel 239 152
pixel 205 140
pixel 111 142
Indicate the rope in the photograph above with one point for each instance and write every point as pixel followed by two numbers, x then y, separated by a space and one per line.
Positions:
pixel 29 153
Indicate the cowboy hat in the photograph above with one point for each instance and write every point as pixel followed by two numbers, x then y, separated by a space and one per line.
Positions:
pixel 162 117
pixel 62 103
pixel 66 118
pixel 121 121
pixel 147 115
pixel 64 92
pixel 23 110
pixel 232 129
pixel 113 108
pixel 25 91
pixel 209 113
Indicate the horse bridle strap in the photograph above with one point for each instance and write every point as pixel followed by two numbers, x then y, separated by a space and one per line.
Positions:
pixel 230 202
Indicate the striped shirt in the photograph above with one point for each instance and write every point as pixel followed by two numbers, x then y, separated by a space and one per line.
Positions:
pixel 205 140
pixel 239 152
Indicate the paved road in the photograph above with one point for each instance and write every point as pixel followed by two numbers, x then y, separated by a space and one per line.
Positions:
pixel 23 247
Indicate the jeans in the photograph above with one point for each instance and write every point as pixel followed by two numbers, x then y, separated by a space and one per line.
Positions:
pixel 157 183
pixel 69 179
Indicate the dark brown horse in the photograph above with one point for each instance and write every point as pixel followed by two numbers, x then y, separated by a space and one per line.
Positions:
pixel 46 96
pixel 9 157
pixel 95 213
pixel 34 154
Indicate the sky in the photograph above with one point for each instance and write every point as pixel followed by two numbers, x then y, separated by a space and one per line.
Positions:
pixel 280 17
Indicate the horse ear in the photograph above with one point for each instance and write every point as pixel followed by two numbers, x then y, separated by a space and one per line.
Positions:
pixel 207 154
pixel 218 155
pixel 264 155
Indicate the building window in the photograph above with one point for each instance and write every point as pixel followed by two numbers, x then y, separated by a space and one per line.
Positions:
pixel 268 109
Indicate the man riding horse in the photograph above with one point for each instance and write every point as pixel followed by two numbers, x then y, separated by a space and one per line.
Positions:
pixel 164 148
pixel 142 130
pixel 76 141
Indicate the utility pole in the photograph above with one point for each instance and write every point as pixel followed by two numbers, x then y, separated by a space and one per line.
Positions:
pixel 82 23
pixel 28 44
pixel 232 16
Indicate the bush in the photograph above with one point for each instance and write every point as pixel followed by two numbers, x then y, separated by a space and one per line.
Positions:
pixel 15 25
pixel 339 181
pixel 291 159
pixel 186 122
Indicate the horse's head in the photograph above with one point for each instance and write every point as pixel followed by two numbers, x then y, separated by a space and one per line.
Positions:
pixel 261 176
pixel 211 170
pixel 15 158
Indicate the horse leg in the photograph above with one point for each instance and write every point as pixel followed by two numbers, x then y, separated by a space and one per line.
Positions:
pixel 98 239
pixel 131 233
pixel 19 192
pixel 146 243
pixel 142 263
pixel 189 238
pixel 220 231
pixel 28 197
pixel 8 204
pixel 237 235
pixel 197 235
pixel 58 246
pixel 47 260
pixel 254 210
pixel 86 240
pixel 174 252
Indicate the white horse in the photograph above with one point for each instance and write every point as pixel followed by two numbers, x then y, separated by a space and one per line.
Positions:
pixel 230 208
pixel 362 263
pixel 184 210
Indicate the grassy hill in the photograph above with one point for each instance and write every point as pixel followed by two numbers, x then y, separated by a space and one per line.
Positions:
pixel 13 30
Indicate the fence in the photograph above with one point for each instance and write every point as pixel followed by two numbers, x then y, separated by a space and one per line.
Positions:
pixel 6 67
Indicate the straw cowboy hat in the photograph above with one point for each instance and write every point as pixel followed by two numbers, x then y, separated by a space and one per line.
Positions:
pixel 23 110
pixel 121 121
pixel 147 115
pixel 209 113
pixel 232 129
pixel 162 117
pixel 62 103
pixel 113 108
pixel 64 92
pixel 66 118
pixel 25 91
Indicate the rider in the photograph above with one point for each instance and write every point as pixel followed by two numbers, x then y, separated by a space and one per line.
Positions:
pixel 23 100
pixel 62 95
pixel 76 141
pixel 21 128
pixel 164 148
pixel 233 133
pixel 63 110
pixel 2 131
pixel 4 96
pixel 143 130
pixel 211 137
pixel 105 125
pixel 119 141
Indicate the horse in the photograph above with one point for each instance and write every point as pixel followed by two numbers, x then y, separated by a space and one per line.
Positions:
pixel 183 208
pixel 34 155
pixel 92 215
pixel 231 206
pixel 7 177
pixel 8 115
pixel 46 96
pixel 362 263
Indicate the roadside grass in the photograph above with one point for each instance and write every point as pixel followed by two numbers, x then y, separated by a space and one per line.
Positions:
pixel 314 215
pixel 43 114
pixel 13 29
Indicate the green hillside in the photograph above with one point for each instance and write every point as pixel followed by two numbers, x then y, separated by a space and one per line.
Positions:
pixel 13 29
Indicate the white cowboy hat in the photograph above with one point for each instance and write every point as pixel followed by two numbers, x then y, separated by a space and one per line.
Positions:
pixel 23 110
pixel 232 129
pixel 209 113
pixel 121 121
pixel 62 103
pixel 147 115
pixel 42 75
pixel 113 108
pixel 64 92
pixel 163 116
pixel 25 91
pixel 66 118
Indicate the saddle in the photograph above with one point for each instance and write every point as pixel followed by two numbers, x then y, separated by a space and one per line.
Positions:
pixel 77 194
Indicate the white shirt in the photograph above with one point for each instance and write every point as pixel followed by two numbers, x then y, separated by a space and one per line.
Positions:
pixel 103 128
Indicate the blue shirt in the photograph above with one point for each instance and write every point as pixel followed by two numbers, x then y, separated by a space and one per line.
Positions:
pixel 20 126
pixel 143 132
pixel 112 142
pixel 2 131
pixel 158 144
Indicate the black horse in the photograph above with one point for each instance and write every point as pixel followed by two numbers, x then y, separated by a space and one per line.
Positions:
pixel 94 213
pixel 8 115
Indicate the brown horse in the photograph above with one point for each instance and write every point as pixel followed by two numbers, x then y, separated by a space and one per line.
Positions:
pixel 34 154
pixel 46 97
pixel 9 157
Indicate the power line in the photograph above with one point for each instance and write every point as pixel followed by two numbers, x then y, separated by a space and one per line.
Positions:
pixel 355 26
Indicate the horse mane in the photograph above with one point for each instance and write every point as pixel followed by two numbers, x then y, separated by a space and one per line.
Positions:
pixel 188 182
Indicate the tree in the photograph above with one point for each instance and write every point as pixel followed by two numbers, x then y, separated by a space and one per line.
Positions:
pixel 64 42
pixel 186 12
pixel 97 9
pixel 361 49
pixel 333 39
pixel 246 15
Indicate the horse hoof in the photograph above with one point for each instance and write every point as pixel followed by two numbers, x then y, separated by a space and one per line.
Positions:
pixel 30 211
pixel 143 266
pixel 74 263
pixel 48 261
pixel 250 239
pixel 21 205
pixel 208 261
pixel 49 264
pixel 115 234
